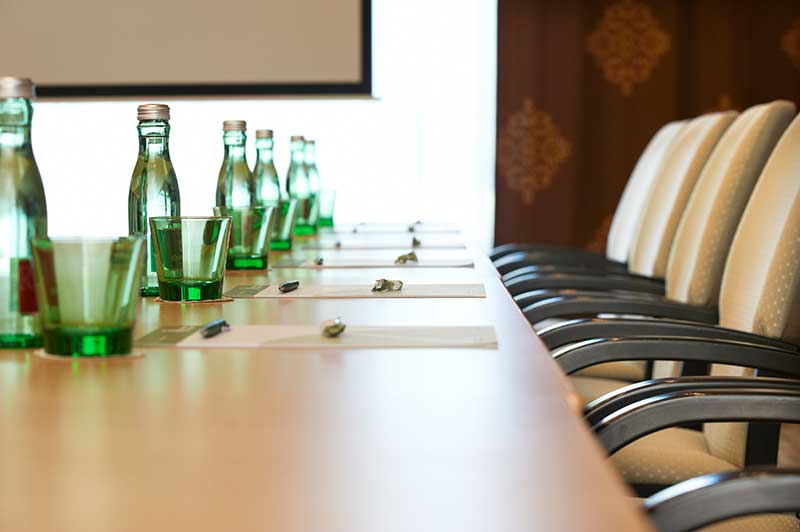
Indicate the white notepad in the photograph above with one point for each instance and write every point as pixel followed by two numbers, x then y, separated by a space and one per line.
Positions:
pixel 358 291
pixel 354 336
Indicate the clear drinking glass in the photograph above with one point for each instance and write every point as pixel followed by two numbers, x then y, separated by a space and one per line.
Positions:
pixel 327 201
pixel 87 290
pixel 190 256
pixel 250 236
pixel 283 228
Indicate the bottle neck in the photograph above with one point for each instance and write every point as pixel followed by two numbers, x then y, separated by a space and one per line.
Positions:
pixel 154 137
pixel 310 154
pixel 264 150
pixel 15 123
pixel 235 142
pixel 298 152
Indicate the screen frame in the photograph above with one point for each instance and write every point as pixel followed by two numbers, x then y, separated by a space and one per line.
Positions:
pixel 362 88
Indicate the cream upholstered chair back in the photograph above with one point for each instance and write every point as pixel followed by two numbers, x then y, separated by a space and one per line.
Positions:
pixel 761 285
pixel 715 207
pixel 674 183
pixel 628 215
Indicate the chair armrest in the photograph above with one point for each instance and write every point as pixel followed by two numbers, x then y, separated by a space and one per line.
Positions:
pixel 565 256
pixel 590 269
pixel 677 408
pixel 586 328
pixel 604 406
pixel 709 499
pixel 537 281
pixel 581 355
pixel 572 306
pixel 526 299
pixel 506 249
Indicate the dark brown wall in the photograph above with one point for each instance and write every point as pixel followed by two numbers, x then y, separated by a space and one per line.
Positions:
pixel 583 85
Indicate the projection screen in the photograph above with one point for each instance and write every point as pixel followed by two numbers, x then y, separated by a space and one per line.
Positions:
pixel 188 47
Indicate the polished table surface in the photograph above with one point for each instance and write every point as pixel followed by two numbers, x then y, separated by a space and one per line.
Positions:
pixel 298 440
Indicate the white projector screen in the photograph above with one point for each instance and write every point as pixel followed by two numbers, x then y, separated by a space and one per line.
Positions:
pixel 185 47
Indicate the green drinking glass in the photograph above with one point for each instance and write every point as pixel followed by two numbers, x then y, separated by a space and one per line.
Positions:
pixel 190 256
pixel 327 201
pixel 250 236
pixel 283 228
pixel 87 291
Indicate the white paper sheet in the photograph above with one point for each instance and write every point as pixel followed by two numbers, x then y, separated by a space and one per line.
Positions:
pixel 366 337
pixel 341 262
pixel 364 291
pixel 387 243
pixel 397 228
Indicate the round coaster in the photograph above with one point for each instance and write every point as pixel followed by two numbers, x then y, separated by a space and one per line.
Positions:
pixel 220 300
pixel 110 358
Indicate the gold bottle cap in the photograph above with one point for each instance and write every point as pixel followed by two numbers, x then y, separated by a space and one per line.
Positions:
pixel 311 141
pixel 153 111
pixel 263 133
pixel 297 138
pixel 11 87
pixel 234 125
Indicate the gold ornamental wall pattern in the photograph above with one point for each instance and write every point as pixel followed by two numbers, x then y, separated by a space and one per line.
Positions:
pixel 530 151
pixel 627 44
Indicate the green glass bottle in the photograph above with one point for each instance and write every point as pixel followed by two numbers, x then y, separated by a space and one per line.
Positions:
pixel 23 216
pixel 154 187
pixel 299 188
pixel 269 191
pixel 235 185
pixel 268 186
pixel 314 183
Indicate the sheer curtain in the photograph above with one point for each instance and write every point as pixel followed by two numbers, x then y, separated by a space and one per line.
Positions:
pixel 423 148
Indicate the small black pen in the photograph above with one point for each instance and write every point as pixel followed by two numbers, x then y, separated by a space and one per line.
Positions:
pixel 213 328
pixel 288 286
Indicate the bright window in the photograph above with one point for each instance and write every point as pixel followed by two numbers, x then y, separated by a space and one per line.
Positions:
pixel 422 149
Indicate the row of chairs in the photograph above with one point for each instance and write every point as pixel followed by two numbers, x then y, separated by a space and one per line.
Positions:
pixel 683 339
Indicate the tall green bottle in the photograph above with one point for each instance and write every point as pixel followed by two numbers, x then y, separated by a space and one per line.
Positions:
pixel 298 187
pixel 314 183
pixel 235 185
pixel 23 215
pixel 154 187
pixel 268 186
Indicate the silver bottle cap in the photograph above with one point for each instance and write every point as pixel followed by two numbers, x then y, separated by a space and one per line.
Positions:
pixel 234 125
pixel 263 133
pixel 11 87
pixel 153 111
pixel 297 138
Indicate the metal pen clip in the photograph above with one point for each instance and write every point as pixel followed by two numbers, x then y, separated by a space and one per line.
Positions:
pixel 213 328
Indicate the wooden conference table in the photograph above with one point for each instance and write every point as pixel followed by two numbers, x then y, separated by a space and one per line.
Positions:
pixel 370 440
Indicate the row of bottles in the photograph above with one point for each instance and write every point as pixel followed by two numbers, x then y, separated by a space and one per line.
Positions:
pixel 237 186
pixel 154 186
pixel 153 192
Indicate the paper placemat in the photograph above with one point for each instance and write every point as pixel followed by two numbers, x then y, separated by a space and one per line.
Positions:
pixel 310 337
pixel 397 228
pixel 380 244
pixel 340 262
pixel 358 291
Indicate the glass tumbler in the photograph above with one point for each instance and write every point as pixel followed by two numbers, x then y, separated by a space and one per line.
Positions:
pixel 327 201
pixel 250 236
pixel 190 256
pixel 87 290
pixel 283 229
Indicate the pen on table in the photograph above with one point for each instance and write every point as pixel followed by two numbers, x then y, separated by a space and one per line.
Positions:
pixel 213 328
pixel 288 286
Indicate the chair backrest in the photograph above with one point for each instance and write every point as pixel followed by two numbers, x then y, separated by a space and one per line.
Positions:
pixel 628 215
pixel 715 206
pixel 761 284
pixel 676 178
